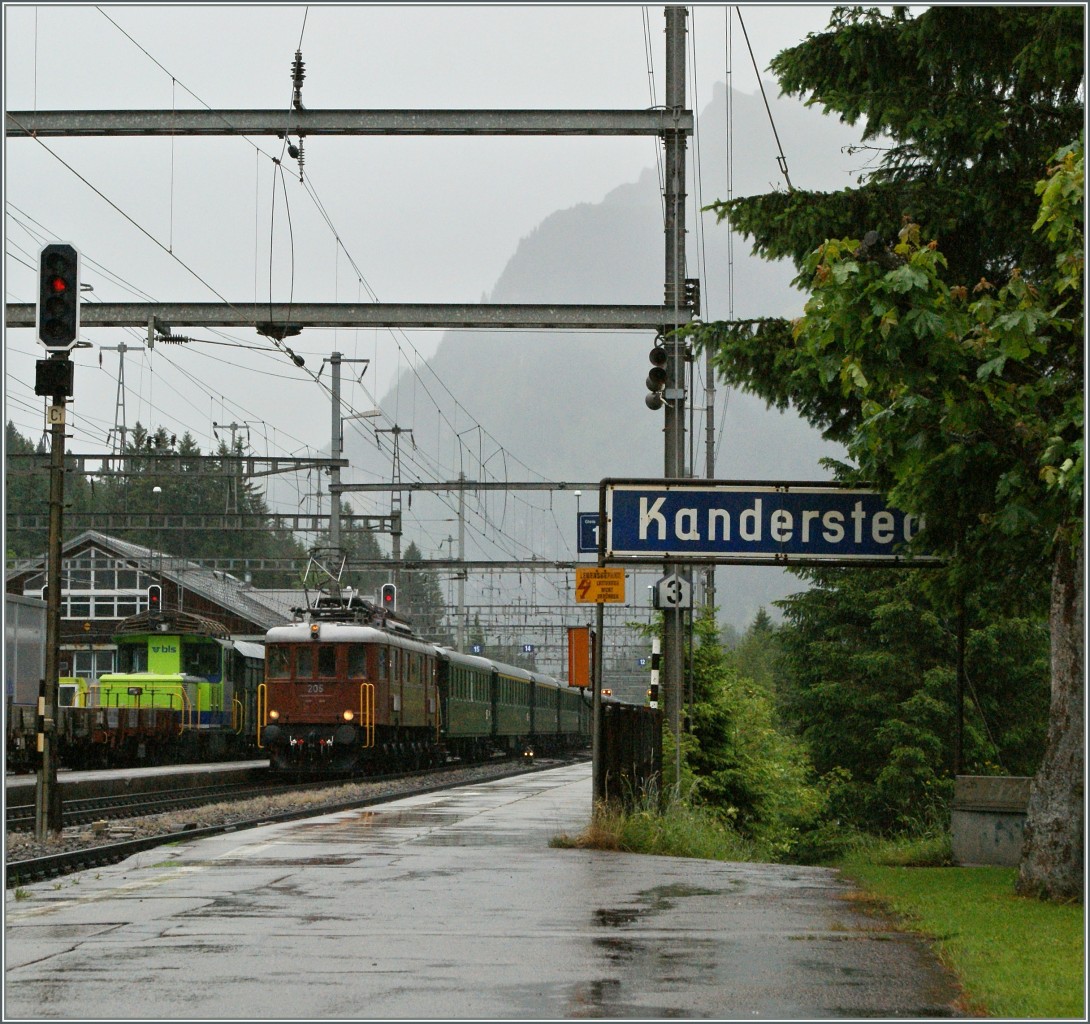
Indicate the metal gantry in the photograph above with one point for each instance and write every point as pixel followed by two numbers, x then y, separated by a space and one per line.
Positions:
pixel 673 124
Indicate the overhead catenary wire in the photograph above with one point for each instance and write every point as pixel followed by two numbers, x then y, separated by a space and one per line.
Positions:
pixel 781 160
pixel 405 346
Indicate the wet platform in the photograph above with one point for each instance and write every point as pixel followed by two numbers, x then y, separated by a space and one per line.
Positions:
pixel 452 906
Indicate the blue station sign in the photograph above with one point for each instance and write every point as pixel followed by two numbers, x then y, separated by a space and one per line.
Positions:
pixel 754 523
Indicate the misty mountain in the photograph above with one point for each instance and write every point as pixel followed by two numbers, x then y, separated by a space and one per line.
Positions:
pixel 570 405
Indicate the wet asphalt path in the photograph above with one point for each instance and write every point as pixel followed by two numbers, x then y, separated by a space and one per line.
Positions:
pixel 451 906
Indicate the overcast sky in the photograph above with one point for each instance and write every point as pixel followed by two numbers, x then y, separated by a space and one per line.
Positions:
pixel 420 219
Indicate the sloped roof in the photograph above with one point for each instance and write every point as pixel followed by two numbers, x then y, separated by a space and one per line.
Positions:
pixel 264 608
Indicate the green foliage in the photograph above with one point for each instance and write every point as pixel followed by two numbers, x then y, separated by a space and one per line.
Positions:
pixel 754 655
pixel 867 678
pixel 942 345
pixel 421 599
pixel 27 493
pixel 680 829
pixel 740 762
pixel 964 105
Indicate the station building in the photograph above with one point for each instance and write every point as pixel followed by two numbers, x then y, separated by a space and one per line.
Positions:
pixel 104 580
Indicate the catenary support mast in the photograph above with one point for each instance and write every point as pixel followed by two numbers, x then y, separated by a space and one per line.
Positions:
pixel 674 428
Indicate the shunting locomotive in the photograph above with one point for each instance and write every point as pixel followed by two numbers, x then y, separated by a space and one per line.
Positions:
pixel 185 692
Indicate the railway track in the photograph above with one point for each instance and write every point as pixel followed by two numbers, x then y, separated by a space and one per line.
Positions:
pixel 36 869
pixel 114 807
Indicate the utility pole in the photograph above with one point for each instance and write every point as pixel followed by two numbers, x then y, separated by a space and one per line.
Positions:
pixel 233 484
pixel 709 459
pixel 674 393
pixel 47 809
pixel 336 445
pixel 461 630
pixel 395 494
pixel 119 431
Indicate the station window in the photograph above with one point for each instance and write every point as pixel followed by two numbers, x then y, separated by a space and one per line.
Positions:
pixel 92 664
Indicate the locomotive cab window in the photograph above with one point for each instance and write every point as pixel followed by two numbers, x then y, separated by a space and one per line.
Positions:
pixel 132 658
pixel 357 661
pixel 201 660
pixel 278 660
pixel 327 661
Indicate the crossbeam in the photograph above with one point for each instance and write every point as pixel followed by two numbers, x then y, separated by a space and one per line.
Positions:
pixel 284 319
pixel 471 485
pixel 45 124
pixel 168 464
pixel 188 521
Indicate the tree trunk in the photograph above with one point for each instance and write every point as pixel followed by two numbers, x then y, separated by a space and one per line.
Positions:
pixel 1052 852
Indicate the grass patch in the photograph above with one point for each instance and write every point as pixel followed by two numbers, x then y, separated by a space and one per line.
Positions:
pixel 678 831
pixel 1014 956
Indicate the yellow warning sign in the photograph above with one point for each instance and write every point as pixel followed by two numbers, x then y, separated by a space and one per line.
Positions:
pixel 599 585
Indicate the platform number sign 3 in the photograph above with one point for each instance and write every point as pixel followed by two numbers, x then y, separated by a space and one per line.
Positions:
pixel 673 592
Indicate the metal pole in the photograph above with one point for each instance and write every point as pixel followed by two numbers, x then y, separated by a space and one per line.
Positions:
pixel 47 804
pixel 461 570
pixel 335 453
pixel 674 425
pixel 709 457
pixel 959 726
pixel 596 745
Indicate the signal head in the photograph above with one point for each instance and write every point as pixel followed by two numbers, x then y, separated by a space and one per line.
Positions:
pixel 58 297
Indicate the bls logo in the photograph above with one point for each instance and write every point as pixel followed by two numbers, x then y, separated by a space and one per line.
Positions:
pixel 164 649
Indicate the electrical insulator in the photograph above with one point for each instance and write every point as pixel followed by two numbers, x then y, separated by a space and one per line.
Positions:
pixel 297 75
pixel 692 295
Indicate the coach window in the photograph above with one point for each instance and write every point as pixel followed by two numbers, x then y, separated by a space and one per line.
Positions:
pixel 383 663
pixel 357 661
pixel 327 660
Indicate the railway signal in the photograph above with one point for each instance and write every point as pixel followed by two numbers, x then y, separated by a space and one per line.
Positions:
pixel 656 378
pixel 58 297
pixel 389 597
pixel 155 599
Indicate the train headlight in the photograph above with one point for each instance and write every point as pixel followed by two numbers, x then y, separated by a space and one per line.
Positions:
pixel 348 715
pixel 274 715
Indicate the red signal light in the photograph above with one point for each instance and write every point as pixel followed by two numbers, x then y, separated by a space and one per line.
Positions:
pixel 58 284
